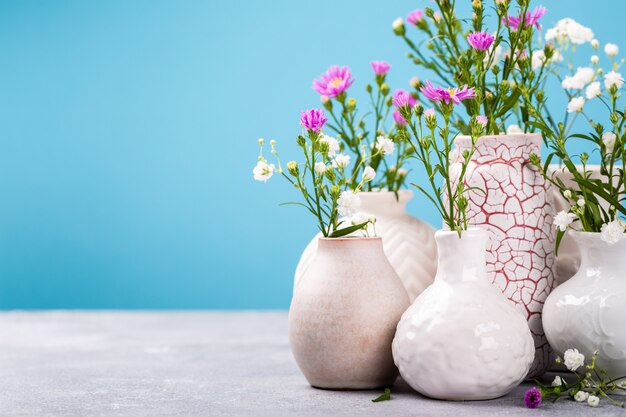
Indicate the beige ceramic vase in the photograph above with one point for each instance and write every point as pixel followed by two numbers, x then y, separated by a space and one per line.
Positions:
pixel 344 313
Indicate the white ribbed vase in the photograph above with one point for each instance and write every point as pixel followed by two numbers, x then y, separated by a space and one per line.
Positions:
pixel 587 311
pixel 461 339
pixel 408 242
pixel 344 314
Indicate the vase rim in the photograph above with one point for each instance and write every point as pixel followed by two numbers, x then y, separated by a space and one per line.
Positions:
pixel 471 231
pixel 350 238
pixel 509 137
pixel 594 239
pixel 403 192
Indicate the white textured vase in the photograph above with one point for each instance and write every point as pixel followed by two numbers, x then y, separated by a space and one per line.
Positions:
pixel 408 242
pixel 568 259
pixel 516 207
pixel 344 314
pixel 587 311
pixel 461 339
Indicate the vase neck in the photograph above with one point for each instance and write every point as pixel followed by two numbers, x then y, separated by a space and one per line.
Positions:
pixel 385 203
pixel 597 254
pixel 461 259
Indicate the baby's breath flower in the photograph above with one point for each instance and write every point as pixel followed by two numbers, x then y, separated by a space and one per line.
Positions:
pixel 612 232
pixel 263 171
pixel 348 203
pixel 611 49
pixel 368 174
pixel 341 161
pixel 593 401
pixel 581 396
pixel 319 167
pixel 385 145
pixel 573 359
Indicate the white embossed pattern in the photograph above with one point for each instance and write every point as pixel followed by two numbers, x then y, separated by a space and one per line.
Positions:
pixel 408 242
pixel 517 209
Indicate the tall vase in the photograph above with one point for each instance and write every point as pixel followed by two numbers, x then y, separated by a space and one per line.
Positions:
pixel 461 339
pixel 515 206
pixel 587 311
pixel 344 313
pixel 408 242
pixel 568 259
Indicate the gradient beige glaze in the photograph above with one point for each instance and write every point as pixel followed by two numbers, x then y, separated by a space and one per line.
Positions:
pixel 344 314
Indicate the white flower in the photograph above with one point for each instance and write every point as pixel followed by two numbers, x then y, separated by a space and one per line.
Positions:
pixel 585 74
pixel 333 144
pixel 573 359
pixel 580 202
pixel 593 90
pixel 319 167
pixel 611 49
pixel 360 218
pixel 608 139
pixel 263 171
pixel 594 59
pixel 385 145
pixel 567 194
pixel 571 82
pixel 558 381
pixel 414 82
pixel 576 105
pixel 513 129
pixel 612 232
pixel 563 219
pixel 613 78
pixel 593 401
pixel 341 161
pixel 595 44
pixel 538 57
pixel 581 396
pixel 368 174
pixel 570 29
pixel 348 203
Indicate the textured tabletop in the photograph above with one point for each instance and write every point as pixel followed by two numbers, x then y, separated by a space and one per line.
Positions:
pixel 192 364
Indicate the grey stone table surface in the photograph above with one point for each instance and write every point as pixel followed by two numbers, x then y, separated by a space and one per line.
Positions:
pixel 104 363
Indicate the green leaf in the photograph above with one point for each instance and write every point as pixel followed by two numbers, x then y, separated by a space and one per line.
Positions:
pixel 386 396
pixel 347 230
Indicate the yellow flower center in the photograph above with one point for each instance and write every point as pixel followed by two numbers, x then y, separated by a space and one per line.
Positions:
pixel 335 81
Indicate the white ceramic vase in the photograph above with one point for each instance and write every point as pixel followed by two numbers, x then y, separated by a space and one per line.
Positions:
pixel 409 243
pixel 461 339
pixel 587 311
pixel 344 313
pixel 568 259
pixel 516 208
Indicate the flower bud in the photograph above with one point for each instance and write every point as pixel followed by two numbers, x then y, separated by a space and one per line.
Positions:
pixel 330 174
pixel 301 141
pixel 595 44
pixel 384 89
pixel 368 88
pixel 418 109
pixel 322 147
pixel 614 117
pixel 273 142
pixel 415 82
pixel 351 103
pixel 292 167
pixel 261 141
pixel 335 191
pixel 398 27
pixel 584 157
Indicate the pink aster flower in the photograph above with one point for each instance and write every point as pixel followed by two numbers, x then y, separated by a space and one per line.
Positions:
pixel 455 95
pixel 480 41
pixel 403 98
pixel 415 16
pixel 482 120
pixel 429 113
pixel 313 119
pixel 398 118
pixel 380 67
pixel 532 18
pixel 335 81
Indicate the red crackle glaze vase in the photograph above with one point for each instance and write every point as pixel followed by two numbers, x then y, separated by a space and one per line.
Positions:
pixel 516 206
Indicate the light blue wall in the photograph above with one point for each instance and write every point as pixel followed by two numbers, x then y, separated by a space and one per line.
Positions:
pixel 128 133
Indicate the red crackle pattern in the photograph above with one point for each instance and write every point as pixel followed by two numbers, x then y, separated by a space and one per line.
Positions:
pixel 517 209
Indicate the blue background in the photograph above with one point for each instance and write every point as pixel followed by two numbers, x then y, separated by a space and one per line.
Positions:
pixel 128 133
